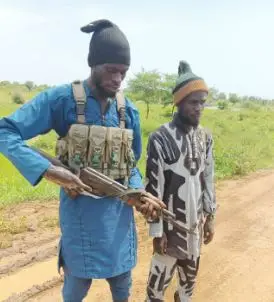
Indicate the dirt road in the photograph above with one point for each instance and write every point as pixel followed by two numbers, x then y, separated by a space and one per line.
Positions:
pixel 237 267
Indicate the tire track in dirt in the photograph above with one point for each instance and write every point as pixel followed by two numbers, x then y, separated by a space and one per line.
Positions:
pixel 35 289
pixel 29 281
pixel 237 266
pixel 36 245
pixel 12 263
pixel 26 243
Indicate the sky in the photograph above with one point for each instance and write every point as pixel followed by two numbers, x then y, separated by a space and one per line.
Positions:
pixel 228 43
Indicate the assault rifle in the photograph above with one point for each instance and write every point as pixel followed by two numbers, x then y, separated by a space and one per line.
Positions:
pixel 111 188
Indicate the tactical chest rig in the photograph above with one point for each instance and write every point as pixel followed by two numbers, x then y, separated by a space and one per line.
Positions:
pixel 105 149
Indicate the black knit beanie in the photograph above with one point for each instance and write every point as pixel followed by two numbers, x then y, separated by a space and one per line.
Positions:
pixel 108 44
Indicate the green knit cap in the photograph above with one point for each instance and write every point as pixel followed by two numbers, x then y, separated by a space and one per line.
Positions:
pixel 187 82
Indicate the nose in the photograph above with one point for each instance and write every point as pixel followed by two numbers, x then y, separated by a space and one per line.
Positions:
pixel 198 108
pixel 117 78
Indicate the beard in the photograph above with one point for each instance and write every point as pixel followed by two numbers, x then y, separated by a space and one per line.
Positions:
pixel 186 120
pixel 101 90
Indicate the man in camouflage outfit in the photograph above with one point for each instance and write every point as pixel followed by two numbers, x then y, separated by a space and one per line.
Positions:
pixel 180 171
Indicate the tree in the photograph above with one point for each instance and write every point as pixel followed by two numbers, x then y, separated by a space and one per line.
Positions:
pixel 29 85
pixel 222 96
pixel 233 98
pixel 152 87
pixel 213 95
pixel 4 83
pixel 168 83
pixel 145 85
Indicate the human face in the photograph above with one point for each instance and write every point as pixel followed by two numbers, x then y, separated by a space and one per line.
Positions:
pixel 108 78
pixel 192 106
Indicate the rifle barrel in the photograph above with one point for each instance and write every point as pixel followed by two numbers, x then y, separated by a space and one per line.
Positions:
pixel 168 214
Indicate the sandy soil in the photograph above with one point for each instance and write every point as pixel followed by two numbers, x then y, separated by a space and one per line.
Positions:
pixel 237 266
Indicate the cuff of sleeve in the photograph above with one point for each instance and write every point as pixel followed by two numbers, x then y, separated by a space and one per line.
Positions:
pixel 209 208
pixel 210 213
pixel 37 173
pixel 135 180
pixel 156 229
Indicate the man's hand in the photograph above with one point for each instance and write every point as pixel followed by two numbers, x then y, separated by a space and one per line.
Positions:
pixel 71 193
pixel 148 205
pixel 208 229
pixel 160 244
pixel 66 179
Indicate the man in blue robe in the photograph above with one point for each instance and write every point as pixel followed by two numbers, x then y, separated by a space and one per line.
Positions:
pixel 98 236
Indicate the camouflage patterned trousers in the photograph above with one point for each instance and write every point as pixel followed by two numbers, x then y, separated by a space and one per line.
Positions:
pixel 161 273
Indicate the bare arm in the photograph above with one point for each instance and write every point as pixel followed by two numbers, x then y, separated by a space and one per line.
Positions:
pixel 66 179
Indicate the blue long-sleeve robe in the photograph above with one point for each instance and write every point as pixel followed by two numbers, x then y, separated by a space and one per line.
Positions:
pixel 98 236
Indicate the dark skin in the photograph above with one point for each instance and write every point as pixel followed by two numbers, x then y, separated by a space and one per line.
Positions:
pixel 190 110
pixel 105 80
pixel 209 229
pixel 66 179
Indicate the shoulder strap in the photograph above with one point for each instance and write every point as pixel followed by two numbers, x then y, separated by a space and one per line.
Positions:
pixel 121 108
pixel 80 98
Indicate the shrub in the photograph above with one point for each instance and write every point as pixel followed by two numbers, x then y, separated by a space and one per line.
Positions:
pixel 18 98
pixel 222 105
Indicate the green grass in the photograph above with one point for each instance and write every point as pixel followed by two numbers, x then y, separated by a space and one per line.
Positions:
pixel 244 142
pixel 14 187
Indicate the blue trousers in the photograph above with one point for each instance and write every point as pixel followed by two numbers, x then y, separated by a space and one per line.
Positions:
pixel 76 289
